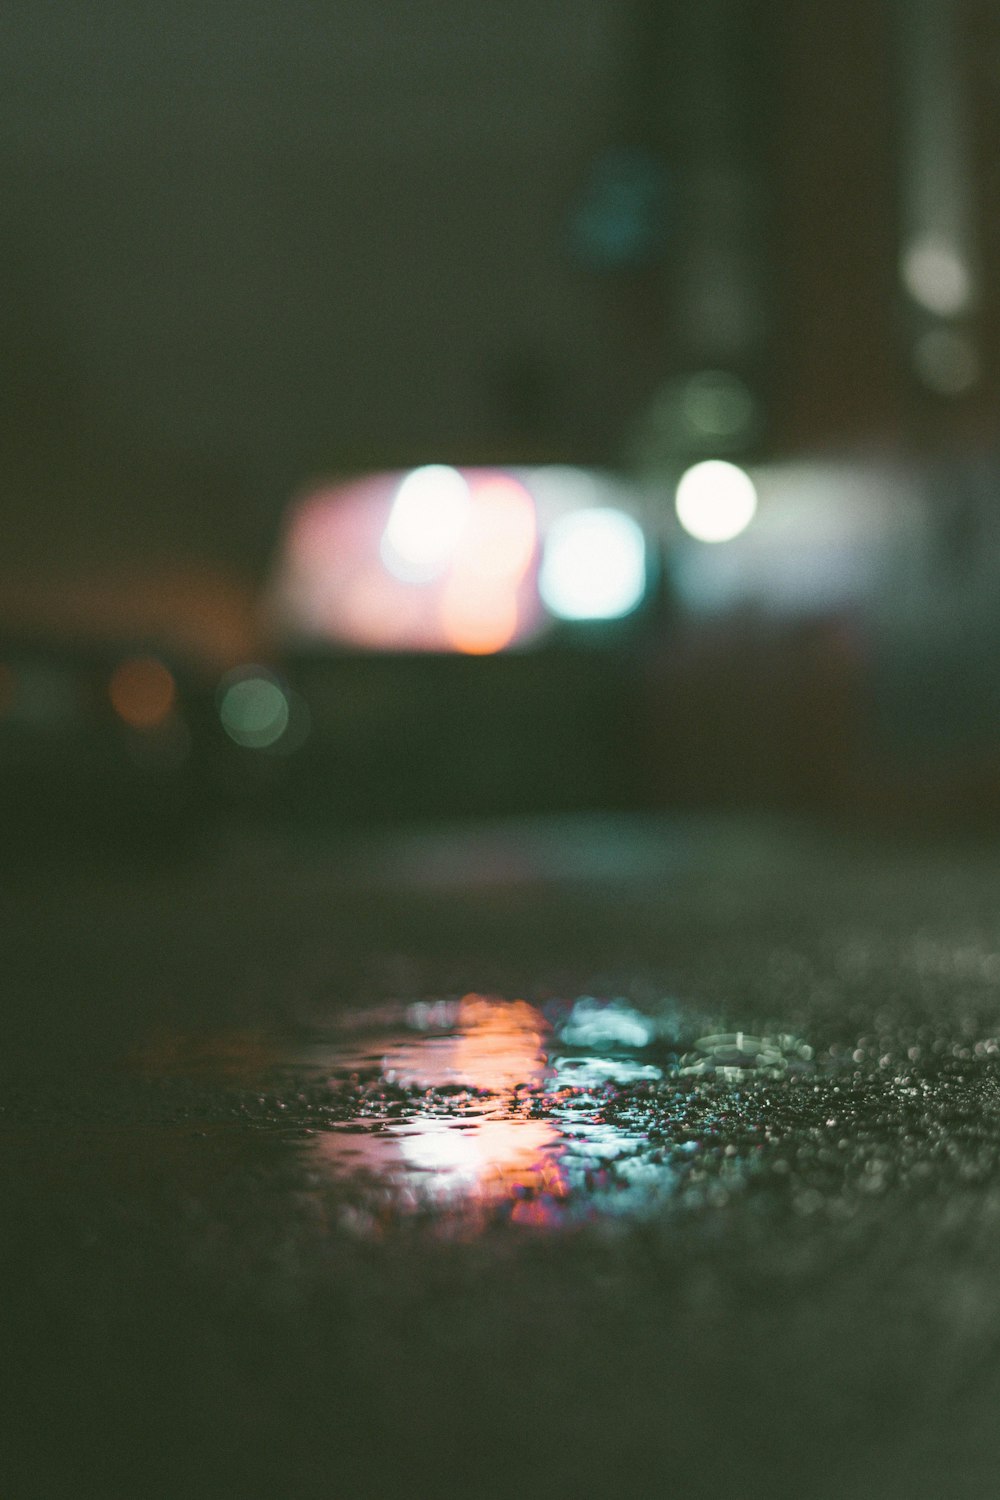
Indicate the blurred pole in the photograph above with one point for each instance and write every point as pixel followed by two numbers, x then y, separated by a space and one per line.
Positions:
pixel 700 99
pixel 939 264
pixel 834 127
pixel 718 315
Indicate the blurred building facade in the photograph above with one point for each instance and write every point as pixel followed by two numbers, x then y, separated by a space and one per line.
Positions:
pixel 245 248
pixel 242 249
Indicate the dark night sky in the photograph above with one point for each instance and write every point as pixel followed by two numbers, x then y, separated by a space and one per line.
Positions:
pixel 242 243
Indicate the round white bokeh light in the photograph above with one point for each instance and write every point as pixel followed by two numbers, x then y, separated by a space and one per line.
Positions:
pixel 936 275
pixel 715 501
pixel 594 565
pixel 427 519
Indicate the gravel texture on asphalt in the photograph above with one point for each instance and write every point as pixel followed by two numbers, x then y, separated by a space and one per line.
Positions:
pixel 592 1156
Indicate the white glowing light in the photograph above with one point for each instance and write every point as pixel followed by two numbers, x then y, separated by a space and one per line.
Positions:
pixel 591 1024
pixel 594 565
pixel 936 276
pixel 425 524
pixel 715 501
pixel 439 1148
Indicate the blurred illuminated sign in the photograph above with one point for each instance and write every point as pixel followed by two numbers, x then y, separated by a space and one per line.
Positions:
pixel 447 559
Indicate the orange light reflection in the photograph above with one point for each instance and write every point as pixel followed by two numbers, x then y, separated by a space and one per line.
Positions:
pixel 495 1045
pixel 477 1162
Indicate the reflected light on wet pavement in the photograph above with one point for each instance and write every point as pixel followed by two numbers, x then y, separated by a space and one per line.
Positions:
pixel 481 1111
pixel 461 1141
pixel 473 1110
pixel 484 1111
pixel 736 1231
pixel 466 1115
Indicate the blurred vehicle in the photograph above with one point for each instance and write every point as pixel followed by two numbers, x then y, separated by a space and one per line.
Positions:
pixel 482 640
pixel 102 743
pixel 453 641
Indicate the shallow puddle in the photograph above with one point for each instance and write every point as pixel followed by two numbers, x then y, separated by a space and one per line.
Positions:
pixel 479 1110
pixel 493 1110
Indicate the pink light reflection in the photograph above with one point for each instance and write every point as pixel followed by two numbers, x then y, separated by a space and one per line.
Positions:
pixel 481 1157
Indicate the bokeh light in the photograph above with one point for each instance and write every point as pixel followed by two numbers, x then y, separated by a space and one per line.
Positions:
pixel 479 611
pixel 142 692
pixel 498 541
pixel 715 501
pixel 254 708
pixel 478 620
pixel 437 559
pixel 592 1023
pixel 717 405
pixel 594 565
pixel 937 276
pixel 428 516
pixel 946 361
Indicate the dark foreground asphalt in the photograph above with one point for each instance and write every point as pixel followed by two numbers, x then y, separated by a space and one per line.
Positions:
pixel 283 1216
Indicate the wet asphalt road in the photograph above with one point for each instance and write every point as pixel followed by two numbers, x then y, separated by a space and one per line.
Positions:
pixel 284 1215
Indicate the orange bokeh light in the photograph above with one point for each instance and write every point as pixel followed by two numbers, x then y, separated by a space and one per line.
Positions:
pixel 501 534
pixel 142 692
pixel 478 617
